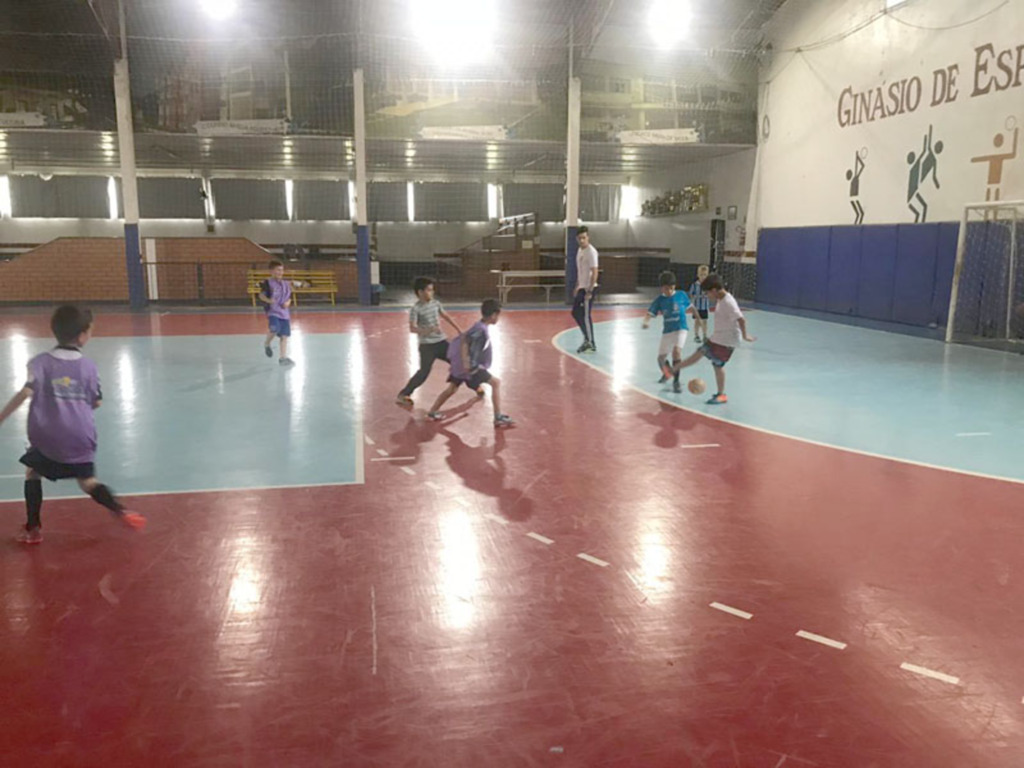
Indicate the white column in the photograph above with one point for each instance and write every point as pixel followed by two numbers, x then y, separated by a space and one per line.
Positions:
pixel 126 141
pixel 363 266
pixel 572 175
pixel 360 149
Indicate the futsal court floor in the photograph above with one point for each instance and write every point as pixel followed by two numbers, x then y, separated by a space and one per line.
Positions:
pixel 825 572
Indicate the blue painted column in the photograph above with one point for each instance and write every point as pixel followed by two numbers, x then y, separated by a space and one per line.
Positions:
pixel 571 249
pixel 363 263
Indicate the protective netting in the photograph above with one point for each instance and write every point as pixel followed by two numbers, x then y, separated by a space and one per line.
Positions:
pixel 987 304
pixel 244 111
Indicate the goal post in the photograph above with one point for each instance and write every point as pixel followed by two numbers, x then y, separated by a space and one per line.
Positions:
pixel 986 300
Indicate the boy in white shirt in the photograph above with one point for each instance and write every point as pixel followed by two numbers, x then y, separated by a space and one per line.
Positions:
pixel 730 328
pixel 586 288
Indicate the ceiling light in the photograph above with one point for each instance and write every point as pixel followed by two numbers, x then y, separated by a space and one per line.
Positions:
pixel 455 31
pixel 668 22
pixel 219 9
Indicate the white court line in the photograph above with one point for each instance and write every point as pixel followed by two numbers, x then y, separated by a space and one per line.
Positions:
pixel 496 519
pixel 591 559
pixel 189 491
pixel 432 485
pixel 925 672
pixel 408 470
pixel 373 619
pixel 773 433
pixel 381 452
pixel 821 639
pixel 541 539
pixel 533 341
pixel 369 440
pixel 973 434
pixel 395 458
pixel 734 611
pixel 702 445
pixel 13 477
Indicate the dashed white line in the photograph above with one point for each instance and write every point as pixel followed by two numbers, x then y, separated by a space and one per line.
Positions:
pixel 432 485
pixel 532 341
pixel 592 559
pixel 496 519
pixel 373 619
pixel 381 452
pixel 369 440
pixel 734 611
pixel 925 672
pixel 541 539
pixel 702 445
pixel 395 458
pixel 973 434
pixel 822 639
pixel 408 470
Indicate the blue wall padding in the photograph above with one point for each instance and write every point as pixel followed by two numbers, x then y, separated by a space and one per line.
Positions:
pixel 843 268
pixel 945 259
pixel 900 273
pixel 813 268
pixel 914 283
pixel 879 246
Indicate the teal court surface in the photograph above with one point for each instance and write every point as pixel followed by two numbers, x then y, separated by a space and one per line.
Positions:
pixel 206 413
pixel 888 394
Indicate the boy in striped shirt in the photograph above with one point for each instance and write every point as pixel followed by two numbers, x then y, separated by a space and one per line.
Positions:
pixel 425 318
pixel 701 304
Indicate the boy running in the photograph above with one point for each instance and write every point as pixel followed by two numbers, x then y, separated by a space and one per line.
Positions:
pixel 425 321
pixel 673 307
pixel 64 387
pixel 700 304
pixel 276 295
pixel 470 356
pixel 730 328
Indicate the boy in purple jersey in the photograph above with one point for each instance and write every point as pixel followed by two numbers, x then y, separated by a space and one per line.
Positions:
pixel 276 295
pixel 64 387
pixel 470 355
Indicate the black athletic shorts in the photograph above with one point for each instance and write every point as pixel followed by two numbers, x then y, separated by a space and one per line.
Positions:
pixel 56 470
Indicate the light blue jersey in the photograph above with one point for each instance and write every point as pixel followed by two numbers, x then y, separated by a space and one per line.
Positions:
pixel 672 309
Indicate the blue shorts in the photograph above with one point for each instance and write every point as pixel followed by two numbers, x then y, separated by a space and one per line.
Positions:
pixel 279 326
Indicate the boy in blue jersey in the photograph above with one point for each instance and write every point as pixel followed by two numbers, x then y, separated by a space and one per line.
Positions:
pixel 701 304
pixel 673 306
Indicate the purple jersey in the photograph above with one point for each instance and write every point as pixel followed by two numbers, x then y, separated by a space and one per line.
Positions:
pixel 478 339
pixel 279 292
pixel 65 388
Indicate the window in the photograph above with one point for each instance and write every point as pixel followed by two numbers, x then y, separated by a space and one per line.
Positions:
pixel 618 85
pixel 593 83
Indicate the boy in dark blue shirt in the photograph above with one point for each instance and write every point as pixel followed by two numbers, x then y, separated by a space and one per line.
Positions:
pixel 673 307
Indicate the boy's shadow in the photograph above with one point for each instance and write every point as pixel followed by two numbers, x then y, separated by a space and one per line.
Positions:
pixel 670 422
pixel 408 440
pixel 482 469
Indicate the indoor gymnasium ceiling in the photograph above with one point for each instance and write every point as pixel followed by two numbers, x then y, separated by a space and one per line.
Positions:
pixel 93 152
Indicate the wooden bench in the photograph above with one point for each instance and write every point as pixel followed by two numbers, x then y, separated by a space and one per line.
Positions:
pixel 304 282
pixel 508 279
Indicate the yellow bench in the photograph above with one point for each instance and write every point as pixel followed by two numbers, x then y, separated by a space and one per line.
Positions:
pixel 304 282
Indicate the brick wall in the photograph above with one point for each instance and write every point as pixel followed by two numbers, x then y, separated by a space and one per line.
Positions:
pixel 68 269
pixel 93 270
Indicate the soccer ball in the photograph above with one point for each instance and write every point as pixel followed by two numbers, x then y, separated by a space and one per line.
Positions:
pixel 696 386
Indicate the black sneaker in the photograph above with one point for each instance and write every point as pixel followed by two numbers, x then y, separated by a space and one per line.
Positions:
pixel 663 379
pixel 677 387
pixel 268 351
pixel 583 348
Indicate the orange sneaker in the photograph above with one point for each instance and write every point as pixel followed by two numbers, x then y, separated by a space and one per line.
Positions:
pixel 133 520
pixel 718 400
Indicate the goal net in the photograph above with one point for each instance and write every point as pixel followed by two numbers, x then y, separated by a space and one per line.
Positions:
pixel 986 304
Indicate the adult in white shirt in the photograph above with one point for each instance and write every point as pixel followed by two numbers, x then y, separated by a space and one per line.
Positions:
pixel 586 288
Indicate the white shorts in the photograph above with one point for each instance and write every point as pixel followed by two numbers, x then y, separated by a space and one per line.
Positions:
pixel 670 340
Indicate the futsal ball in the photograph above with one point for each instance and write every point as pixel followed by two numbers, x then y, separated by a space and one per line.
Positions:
pixel 696 386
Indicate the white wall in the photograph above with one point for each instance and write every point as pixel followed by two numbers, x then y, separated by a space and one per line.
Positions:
pixel 689 234
pixel 802 164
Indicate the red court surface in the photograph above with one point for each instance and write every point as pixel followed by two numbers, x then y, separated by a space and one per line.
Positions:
pixel 414 621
